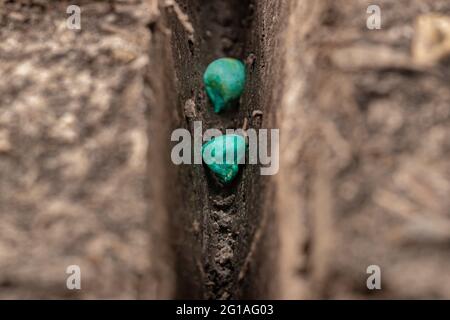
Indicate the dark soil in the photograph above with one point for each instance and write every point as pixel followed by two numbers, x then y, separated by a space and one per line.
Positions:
pixel 227 217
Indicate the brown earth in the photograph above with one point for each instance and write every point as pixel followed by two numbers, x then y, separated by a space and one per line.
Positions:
pixel 86 176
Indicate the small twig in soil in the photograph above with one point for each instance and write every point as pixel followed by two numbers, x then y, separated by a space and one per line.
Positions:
pixel 182 17
pixel 257 113
pixel 189 109
pixel 250 61
pixel 245 125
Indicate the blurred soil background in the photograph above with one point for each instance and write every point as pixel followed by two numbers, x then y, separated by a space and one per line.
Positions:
pixel 85 171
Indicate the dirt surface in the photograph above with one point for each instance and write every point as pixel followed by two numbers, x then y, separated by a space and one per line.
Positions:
pixel 76 110
pixel 228 217
pixel 86 176
pixel 365 178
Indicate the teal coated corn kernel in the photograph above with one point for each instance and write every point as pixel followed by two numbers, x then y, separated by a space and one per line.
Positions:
pixel 223 155
pixel 224 81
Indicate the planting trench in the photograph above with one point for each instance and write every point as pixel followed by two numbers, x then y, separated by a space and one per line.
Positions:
pixel 218 232
pixel 342 173
pixel 86 175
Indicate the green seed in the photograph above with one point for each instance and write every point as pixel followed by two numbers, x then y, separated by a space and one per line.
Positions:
pixel 224 81
pixel 223 154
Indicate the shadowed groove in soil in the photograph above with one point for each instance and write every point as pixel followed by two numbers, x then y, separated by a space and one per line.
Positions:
pixel 214 226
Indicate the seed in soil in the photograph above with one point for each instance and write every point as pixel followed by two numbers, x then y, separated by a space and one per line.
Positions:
pixel 223 155
pixel 224 82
